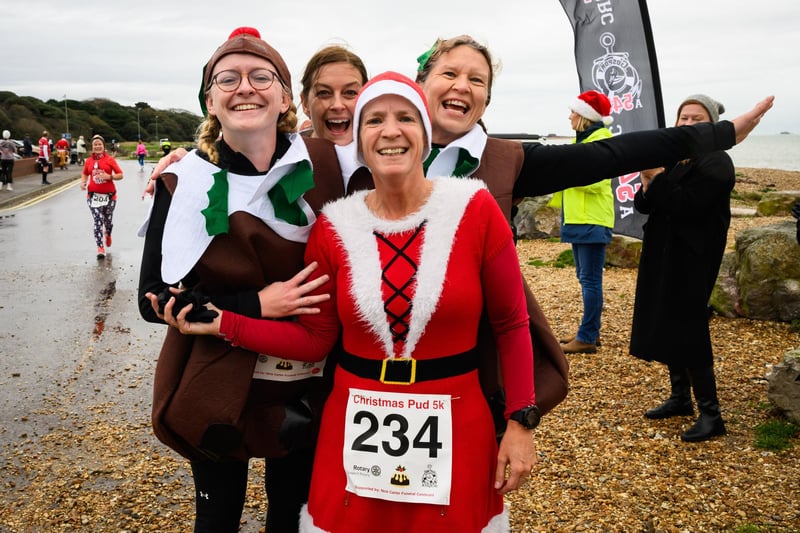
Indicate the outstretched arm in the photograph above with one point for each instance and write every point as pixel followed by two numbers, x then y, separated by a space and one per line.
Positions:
pixel 744 124
pixel 550 168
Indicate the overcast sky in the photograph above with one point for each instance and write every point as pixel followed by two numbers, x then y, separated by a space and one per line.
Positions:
pixel 153 51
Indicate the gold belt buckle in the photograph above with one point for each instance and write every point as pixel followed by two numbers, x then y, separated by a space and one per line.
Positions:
pixel 399 371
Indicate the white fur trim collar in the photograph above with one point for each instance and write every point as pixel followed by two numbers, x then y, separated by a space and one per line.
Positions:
pixel 354 223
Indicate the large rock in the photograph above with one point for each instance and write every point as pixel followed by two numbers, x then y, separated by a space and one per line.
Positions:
pixel 762 279
pixel 535 220
pixel 783 388
pixel 777 203
pixel 624 251
pixel 725 295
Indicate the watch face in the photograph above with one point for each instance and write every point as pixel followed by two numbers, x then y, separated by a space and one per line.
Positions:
pixel 528 417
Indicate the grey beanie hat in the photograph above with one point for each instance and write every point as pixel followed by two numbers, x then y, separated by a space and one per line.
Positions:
pixel 714 108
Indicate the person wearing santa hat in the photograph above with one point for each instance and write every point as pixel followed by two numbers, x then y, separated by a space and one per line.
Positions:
pixel 409 441
pixel 229 219
pixel 587 218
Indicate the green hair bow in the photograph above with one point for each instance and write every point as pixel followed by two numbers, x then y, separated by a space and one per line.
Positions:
pixel 423 59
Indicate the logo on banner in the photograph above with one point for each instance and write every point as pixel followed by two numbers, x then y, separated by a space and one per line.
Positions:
pixel 614 76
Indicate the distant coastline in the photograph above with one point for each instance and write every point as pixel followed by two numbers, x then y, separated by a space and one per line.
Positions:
pixel 777 151
pixel 780 151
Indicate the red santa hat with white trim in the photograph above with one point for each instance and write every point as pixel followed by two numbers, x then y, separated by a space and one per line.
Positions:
pixel 392 83
pixel 594 106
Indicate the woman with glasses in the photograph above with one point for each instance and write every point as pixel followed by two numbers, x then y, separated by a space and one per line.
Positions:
pixel 230 218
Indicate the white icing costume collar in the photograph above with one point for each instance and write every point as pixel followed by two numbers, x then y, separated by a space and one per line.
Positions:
pixel 445 161
pixel 185 236
pixel 347 161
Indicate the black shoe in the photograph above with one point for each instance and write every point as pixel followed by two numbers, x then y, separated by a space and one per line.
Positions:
pixel 45 182
pixel 707 427
pixel 709 424
pixel 671 407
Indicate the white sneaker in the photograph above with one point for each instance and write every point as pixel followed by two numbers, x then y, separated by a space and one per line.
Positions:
pixel 9 187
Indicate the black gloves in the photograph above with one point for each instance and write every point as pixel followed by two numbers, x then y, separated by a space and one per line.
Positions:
pixel 199 313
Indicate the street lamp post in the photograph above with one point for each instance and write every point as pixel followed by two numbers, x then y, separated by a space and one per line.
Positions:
pixel 156 128
pixel 66 114
pixel 138 128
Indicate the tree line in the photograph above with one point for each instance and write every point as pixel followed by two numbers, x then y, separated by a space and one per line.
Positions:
pixel 26 115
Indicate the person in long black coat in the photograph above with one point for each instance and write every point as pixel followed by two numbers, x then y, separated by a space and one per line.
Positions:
pixel 683 244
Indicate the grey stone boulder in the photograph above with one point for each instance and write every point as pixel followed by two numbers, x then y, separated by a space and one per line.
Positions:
pixel 535 220
pixel 725 295
pixel 783 385
pixel 777 203
pixel 624 251
pixel 762 278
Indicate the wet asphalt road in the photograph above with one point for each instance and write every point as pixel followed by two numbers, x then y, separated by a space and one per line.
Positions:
pixel 70 331
pixel 74 350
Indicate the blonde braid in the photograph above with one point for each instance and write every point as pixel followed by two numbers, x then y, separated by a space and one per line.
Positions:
pixel 207 135
pixel 287 123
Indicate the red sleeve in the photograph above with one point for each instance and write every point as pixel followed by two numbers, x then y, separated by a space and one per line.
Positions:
pixel 507 310
pixel 311 337
pixel 114 165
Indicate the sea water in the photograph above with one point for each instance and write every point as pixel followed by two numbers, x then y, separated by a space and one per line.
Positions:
pixel 768 151
pixel 756 151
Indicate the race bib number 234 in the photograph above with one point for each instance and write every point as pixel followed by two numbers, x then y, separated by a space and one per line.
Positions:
pixel 399 447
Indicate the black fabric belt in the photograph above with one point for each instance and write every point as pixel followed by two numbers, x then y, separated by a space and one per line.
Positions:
pixel 409 370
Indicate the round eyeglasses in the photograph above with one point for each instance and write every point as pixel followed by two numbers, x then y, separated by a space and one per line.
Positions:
pixel 260 79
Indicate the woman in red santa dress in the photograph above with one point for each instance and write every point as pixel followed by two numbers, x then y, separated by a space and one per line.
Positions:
pixel 407 439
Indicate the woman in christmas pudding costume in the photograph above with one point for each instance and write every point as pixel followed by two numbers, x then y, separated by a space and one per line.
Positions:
pixel 230 218
pixel 409 440
pixel 457 76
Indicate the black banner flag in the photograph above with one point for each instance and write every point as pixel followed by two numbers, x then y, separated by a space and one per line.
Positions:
pixel 615 54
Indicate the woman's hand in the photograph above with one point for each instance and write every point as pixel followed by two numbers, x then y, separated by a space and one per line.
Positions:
pixel 172 157
pixel 518 453
pixel 647 176
pixel 287 298
pixel 150 189
pixel 168 318
pixel 195 328
pixel 744 124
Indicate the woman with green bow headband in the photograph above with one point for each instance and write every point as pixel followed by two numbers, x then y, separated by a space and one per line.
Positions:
pixel 457 75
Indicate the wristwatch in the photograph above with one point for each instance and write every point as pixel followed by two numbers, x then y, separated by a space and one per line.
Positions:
pixel 529 416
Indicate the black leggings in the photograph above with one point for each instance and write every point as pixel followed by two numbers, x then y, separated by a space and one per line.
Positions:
pixel 7 170
pixel 220 492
